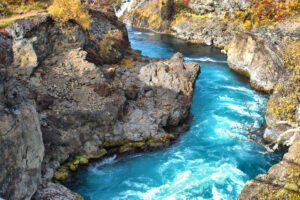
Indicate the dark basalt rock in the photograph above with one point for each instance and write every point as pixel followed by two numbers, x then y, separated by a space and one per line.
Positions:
pixel 6 55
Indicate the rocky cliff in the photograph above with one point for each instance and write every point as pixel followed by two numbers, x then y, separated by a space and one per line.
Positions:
pixel 63 103
pixel 217 6
pixel 203 17
pixel 256 58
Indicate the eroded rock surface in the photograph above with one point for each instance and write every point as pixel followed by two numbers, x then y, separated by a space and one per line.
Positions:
pixel 21 143
pixel 257 59
pixel 55 191
pixel 218 6
pixel 5 49
pixel 70 109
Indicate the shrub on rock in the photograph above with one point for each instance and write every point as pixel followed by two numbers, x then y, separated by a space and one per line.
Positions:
pixel 65 10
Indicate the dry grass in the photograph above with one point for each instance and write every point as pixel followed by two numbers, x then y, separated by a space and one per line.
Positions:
pixel 16 11
pixel 8 21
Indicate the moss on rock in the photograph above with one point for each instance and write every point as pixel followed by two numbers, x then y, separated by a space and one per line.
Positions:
pixel 131 145
pixel 99 154
pixel 61 174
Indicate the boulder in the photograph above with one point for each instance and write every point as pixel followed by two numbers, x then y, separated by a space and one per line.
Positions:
pixel 107 42
pixel 22 151
pixel 255 58
pixel 164 93
pixel 270 135
pixel 55 191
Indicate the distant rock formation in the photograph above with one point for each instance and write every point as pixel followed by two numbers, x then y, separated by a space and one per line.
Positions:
pixel 218 6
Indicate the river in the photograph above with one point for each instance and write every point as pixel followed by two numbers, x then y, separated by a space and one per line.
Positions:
pixel 212 160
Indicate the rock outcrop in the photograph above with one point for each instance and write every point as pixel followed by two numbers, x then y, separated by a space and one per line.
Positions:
pixel 257 59
pixel 28 50
pixel 21 143
pixel 66 108
pixel 219 7
pixel 55 191
pixel 165 16
pixel 107 37
pixel 5 49
pixel 281 181
pixel 155 14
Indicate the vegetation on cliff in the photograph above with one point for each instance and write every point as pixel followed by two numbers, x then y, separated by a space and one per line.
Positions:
pixel 12 10
pixel 13 7
pixel 286 106
pixel 266 12
pixel 61 11
pixel 65 10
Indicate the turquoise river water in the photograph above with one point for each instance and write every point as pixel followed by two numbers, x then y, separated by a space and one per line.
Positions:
pixel 212 160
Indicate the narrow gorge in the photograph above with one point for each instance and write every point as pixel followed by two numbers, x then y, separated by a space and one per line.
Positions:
pixel 204 104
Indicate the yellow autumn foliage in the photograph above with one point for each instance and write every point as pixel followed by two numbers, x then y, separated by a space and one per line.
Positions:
pixel 287 103
pixel 65 10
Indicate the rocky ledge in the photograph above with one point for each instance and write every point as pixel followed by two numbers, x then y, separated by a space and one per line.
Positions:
pixel 62 105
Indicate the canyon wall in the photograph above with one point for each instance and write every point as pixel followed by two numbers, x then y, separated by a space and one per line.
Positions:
pixel 70 95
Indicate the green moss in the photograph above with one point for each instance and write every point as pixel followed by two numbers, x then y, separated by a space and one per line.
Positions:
pixel 99 154
pixel 61 174
pixel 131 145
pixel 73 167
pixel 292 187
pixel 107 44
pixel 79 160
pixel 79 197
pixel 141 144
pixel 286 194
pixel 82 159
pixel 109 144
pixel 161 140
